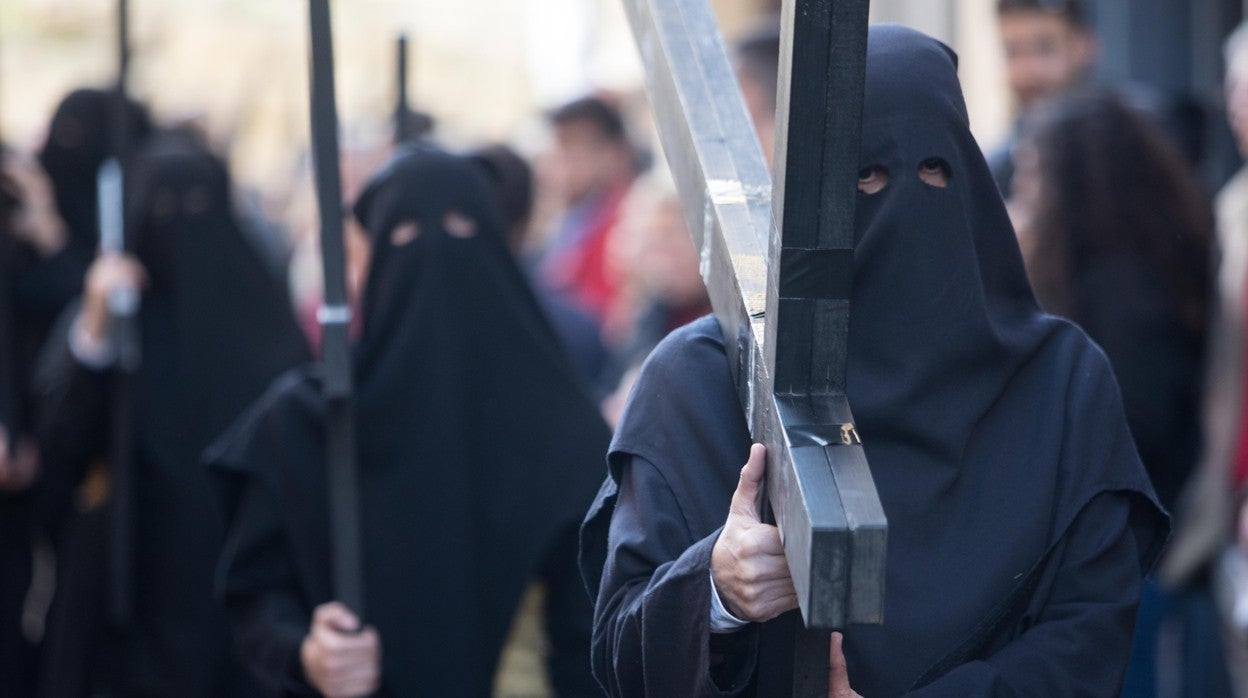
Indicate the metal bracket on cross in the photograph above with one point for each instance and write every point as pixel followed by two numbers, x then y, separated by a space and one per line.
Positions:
pixel 778 263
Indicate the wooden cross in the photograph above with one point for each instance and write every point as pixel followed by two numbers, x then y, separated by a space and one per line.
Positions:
pixel 777 258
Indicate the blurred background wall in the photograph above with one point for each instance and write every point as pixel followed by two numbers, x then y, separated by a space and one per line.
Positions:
pixel 485 68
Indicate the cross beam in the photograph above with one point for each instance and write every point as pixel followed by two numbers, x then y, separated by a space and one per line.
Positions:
pixel 785 324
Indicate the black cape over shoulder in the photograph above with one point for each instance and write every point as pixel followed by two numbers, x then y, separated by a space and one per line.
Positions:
pixel 477 453
pixel 1020 518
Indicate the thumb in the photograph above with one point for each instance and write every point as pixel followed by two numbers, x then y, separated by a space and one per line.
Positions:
pixel 4 454
pixel 137 273
pixel 745 499
pixel 336 616
pixel 838 674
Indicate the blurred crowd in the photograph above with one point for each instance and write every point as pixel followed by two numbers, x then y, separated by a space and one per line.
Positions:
pixel 1117 229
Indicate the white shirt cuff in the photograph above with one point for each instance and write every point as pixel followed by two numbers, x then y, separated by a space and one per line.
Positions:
pixel 94 354
pixel 721 620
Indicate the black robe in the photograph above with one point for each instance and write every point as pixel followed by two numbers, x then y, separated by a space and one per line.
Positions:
pixel 12 387
pixel 18 657
pixel 476 450
pixel 1020 518
pixel 215 329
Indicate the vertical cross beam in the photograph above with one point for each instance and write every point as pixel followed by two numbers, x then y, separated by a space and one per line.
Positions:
pixel 823 45
pixel 823 48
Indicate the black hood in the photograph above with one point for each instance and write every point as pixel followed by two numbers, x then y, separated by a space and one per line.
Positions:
pixel 79 141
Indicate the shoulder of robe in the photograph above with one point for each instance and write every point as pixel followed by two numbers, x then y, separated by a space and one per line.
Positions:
pixel 678 358
pixel 671 379
pixel 1092 383
pixel 684 415
pixel 1073 358
pixel 1101 455
pixel 292 398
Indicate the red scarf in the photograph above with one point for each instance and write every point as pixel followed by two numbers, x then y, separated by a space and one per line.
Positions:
pixel 1241 449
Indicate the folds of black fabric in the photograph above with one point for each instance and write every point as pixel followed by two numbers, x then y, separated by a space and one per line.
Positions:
pixel 17 652
pixel 478 453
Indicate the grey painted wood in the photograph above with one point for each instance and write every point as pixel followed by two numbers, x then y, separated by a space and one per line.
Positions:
pixel 819 487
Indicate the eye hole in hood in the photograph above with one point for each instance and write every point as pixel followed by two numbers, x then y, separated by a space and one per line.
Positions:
pixel 873 179
pixel 935 172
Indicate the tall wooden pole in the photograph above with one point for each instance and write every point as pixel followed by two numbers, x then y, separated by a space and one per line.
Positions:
pixel 402 114
pixel 335 319
pixel 123 305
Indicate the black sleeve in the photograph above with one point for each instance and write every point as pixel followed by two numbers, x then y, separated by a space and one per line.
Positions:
pixel 257 580
pixel 652 621
pixel 569 620
pixel 1074 645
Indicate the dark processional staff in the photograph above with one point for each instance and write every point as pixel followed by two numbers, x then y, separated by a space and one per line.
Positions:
pixel 1020 520
pixel 403 116
pixel 335 319
pixel 123 305
pixel 409 124
pixel 785 311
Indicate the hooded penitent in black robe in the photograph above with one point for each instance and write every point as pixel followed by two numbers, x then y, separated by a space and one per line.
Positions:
pixel 1020 518
pixel 477 456
pixel 215 330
